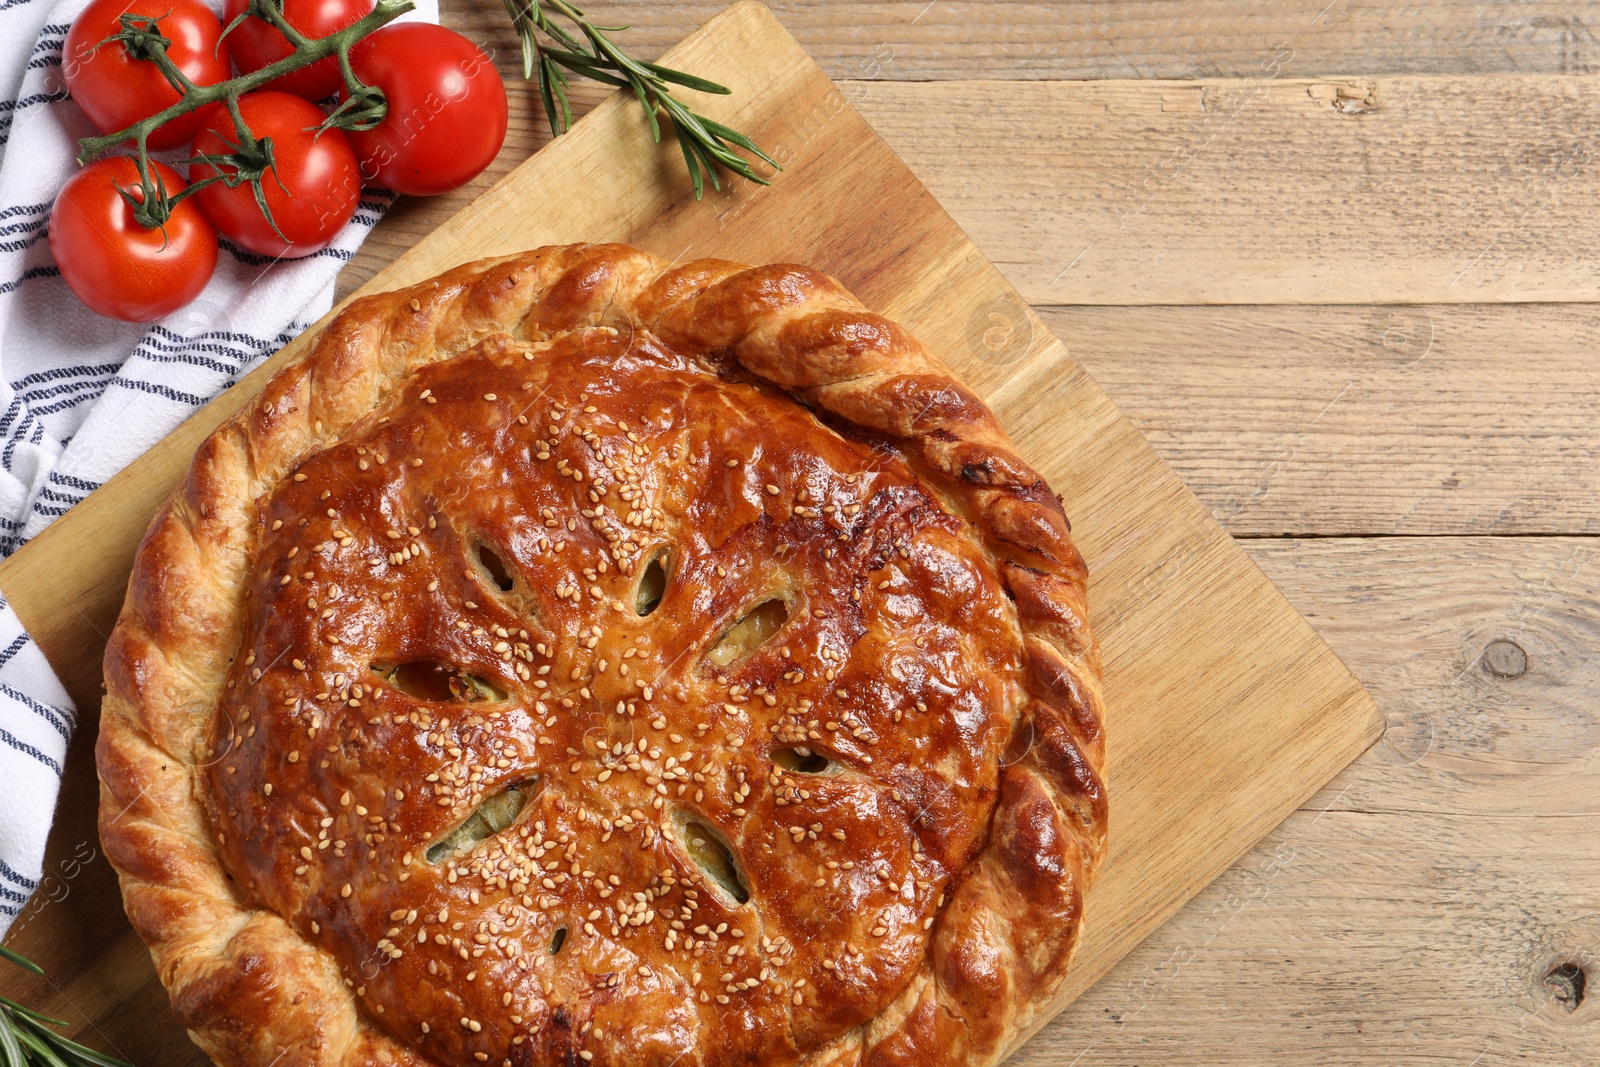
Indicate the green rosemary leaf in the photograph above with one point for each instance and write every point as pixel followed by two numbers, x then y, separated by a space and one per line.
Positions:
pixel 688 81
pixel 705 155
pixel 39 1050
pixel 78 1055
pixel 30 1013
pixel 558 85
pixel 95 1059
pixel 10 1047
pixel 536 11
pixel 686 119
pixel 640 91
pixel 86 1057
pixel 20 960
pixel 596 73
pixel 547 94
pixel 621 60
pixel 530 52
pixel 736 137
pixel 711 149
pixel 708 162
pixel 690 160
pixel 582 59
pixel 721 154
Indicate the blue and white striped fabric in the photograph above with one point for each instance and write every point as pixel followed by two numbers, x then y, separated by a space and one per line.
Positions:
pixel 82 396
pixel 36 721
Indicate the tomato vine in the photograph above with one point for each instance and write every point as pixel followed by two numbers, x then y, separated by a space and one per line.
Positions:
pixel 250 158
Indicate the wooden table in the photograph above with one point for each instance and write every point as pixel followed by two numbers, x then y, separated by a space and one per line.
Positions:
pixel 1337 259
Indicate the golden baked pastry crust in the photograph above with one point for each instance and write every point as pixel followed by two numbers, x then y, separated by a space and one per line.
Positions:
pixel 525 677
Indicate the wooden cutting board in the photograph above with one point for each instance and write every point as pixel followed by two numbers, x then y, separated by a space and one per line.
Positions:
pixel 1225 710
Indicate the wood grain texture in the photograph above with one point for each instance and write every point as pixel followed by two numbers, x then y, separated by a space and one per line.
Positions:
pixel 1275 190
pixel 1218 731
pixel 1487 673
pixel 1348 420
pixel 1413 912
pixel 916 40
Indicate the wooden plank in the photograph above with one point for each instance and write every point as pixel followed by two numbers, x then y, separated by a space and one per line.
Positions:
pixel 1243 721
pixel 915 40
pixel 1417 910
pixel 1486 668
pixel 1461 419
pixel 1273 190
pixel 1277 190
pixel 1362 939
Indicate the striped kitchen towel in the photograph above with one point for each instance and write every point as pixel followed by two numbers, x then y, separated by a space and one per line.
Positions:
pixel 82 396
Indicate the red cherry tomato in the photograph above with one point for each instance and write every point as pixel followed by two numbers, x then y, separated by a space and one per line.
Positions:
pixel 117 267
pixel 447 109
pixel 116 90
pixel 256 43
pixel 318 172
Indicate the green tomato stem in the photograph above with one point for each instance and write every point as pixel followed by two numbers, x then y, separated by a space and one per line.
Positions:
pixel 306 52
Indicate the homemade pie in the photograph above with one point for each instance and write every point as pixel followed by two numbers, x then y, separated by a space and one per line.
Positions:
pixel 584 659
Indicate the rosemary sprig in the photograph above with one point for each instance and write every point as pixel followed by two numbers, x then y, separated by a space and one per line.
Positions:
pixel 26 1039
pixel 590 53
